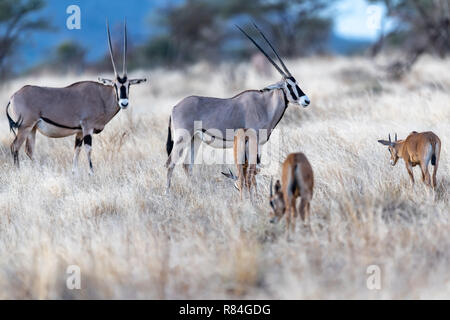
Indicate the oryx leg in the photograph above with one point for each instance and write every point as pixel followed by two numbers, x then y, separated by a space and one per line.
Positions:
pixel 30 142
pixel 78 145
pixel 87 140
pixel 177 154
pixel 22 134
pixel 195 145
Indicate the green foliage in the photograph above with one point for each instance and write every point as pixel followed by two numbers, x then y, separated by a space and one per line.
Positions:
pixel 15 21
pixel 69 55
pixel 204 29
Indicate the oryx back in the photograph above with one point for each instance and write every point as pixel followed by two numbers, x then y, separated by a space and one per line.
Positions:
pixel 59 112
pixel 211 117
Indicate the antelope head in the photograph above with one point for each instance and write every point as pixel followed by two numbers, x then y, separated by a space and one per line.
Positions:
pixel 276 202
pixel 120 83
pixel 288 83
pixel 392 149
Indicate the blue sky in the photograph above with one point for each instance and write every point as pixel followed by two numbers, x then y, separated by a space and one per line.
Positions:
pixel 358 19
pixel 352 20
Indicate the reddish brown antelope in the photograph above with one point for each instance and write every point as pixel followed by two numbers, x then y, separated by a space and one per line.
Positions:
pixel 417 149
pixel 245 150
pixel 297 180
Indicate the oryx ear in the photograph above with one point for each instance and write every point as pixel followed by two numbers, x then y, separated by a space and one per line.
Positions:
pixel 138 81
pixel 106 82
pixel 385 142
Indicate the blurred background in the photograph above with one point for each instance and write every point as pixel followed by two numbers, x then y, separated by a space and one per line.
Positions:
pixel 173 34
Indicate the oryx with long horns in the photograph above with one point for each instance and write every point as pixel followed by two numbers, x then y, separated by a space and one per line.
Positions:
pixel 81 109
pixel 210 118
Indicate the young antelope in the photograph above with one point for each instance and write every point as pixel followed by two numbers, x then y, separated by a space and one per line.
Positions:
pixel 297 180
pixel 417 149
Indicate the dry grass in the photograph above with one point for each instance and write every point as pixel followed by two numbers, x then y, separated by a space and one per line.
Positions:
pixel 132 241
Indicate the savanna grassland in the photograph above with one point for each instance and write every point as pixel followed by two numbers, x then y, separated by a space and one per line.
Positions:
pixel 130 240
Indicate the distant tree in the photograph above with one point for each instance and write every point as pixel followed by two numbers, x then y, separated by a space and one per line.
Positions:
pixel 299 27
pixel 422 26
pixel 204 29
pixel 15 21
pixel 69 56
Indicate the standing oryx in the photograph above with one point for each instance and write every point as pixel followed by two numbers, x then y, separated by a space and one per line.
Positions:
pixel 81 109
pixel 211 118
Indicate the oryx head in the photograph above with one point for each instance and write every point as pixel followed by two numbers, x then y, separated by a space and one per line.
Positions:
pixel 276 202
pixel 122 83
pixel 392 149
pixel 289 85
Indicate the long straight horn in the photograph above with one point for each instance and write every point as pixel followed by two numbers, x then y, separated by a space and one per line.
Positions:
pixel 125 47
pixel 271 187
pixel 390 138
pixel 265 54
pixel 395 137
pixel 274 51
pixel 111 49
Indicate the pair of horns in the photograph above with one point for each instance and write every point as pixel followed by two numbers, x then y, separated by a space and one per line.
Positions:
pixel 390 138
pixel 284 73
pixel 124 49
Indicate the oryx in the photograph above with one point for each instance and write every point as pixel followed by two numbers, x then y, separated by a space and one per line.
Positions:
pixel 81 109
pixel 252 109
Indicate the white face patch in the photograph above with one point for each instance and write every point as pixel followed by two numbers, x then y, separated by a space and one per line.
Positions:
pixel 305 101
pixel 295 93
pixel 123 103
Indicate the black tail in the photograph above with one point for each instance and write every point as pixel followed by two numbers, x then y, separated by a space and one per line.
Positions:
pixel 169 143
pixel 12 124
pixel 433 160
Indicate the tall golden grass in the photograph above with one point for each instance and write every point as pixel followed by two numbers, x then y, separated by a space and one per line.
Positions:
pixel 130 240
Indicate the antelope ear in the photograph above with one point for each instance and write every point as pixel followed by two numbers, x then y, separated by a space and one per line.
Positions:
pixel 385 142
pixel 138 81
pixel 230 175
pixel 278 186
pixel 106 82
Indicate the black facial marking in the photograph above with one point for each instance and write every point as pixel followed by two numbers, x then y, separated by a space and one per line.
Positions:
pixel 300 92
pixel 97 131
pixel 117 95
pixel 122 80
pixel 294 96
pixel 78 142
pixel 88 140
pixel 123 92
pixel 90 164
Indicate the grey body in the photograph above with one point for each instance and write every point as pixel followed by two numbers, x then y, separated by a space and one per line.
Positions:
pixel 252 109
pixel 81 109
pixel 84 106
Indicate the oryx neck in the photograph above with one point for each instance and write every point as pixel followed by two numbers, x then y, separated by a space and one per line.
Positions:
pixel 278 85
pixel 279 108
